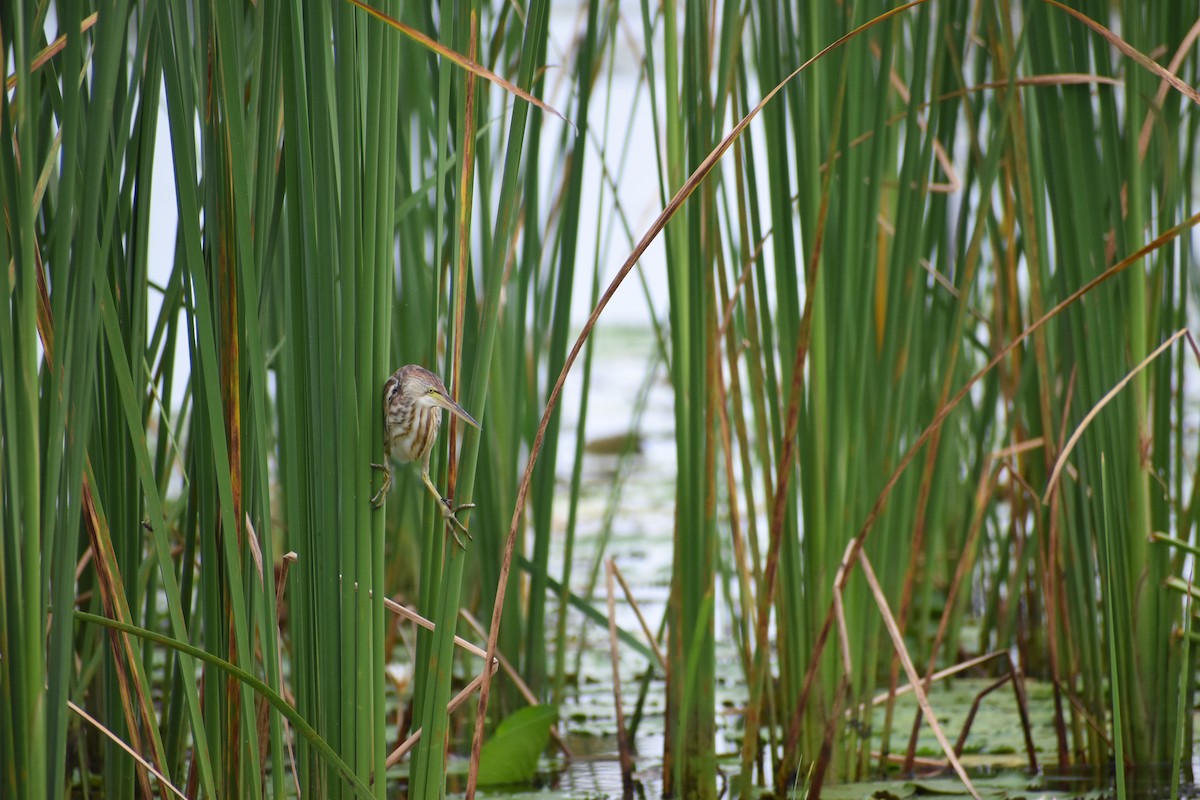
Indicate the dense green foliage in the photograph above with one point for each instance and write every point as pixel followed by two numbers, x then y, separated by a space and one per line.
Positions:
pixel 912 275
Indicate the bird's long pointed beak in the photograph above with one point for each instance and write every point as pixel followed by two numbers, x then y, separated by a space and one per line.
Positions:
pixel 457 410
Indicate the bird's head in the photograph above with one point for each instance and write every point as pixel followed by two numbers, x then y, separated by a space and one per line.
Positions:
pixel 427 389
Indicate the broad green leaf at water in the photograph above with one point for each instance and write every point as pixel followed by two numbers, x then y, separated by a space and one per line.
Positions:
pixel 869 790
pixel 511 754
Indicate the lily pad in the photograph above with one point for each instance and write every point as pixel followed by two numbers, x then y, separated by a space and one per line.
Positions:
pixel 511 755
pixel 869 790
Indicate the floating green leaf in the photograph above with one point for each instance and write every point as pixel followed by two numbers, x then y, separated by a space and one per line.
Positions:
pixel 511 754
pixel 869 790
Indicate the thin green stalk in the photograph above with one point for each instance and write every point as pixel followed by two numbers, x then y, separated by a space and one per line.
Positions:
pixel 1111 631
pixel 24 769
pixel 544 478
pixel 1182 706
pixel 533 53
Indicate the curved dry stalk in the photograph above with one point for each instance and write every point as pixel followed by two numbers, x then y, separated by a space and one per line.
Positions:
pixel 51 50
pixel 1052 79
pixel 943 413
pixel 685 191
pixel 1108 398
pixel 637 610
pixel 988 480
pixel 1143 60
pixel 119 742
pixel 961 666
pixel 412 616
pixel 515 677
pixel 403 611
pixel 469 64
pixel 839 610
pixel 408 744
pixel 130 679
pixel 911 671
pixel 1176 61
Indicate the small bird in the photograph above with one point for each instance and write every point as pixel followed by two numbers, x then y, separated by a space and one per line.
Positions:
pixel 413 399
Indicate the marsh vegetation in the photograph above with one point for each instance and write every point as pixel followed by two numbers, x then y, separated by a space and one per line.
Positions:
pixel 901 377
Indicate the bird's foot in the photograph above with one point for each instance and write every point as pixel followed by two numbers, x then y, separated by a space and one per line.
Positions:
pixel 377 499
pixel 449 513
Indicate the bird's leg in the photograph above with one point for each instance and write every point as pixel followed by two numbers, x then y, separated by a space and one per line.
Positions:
pixel 449 511
pixel 386 469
